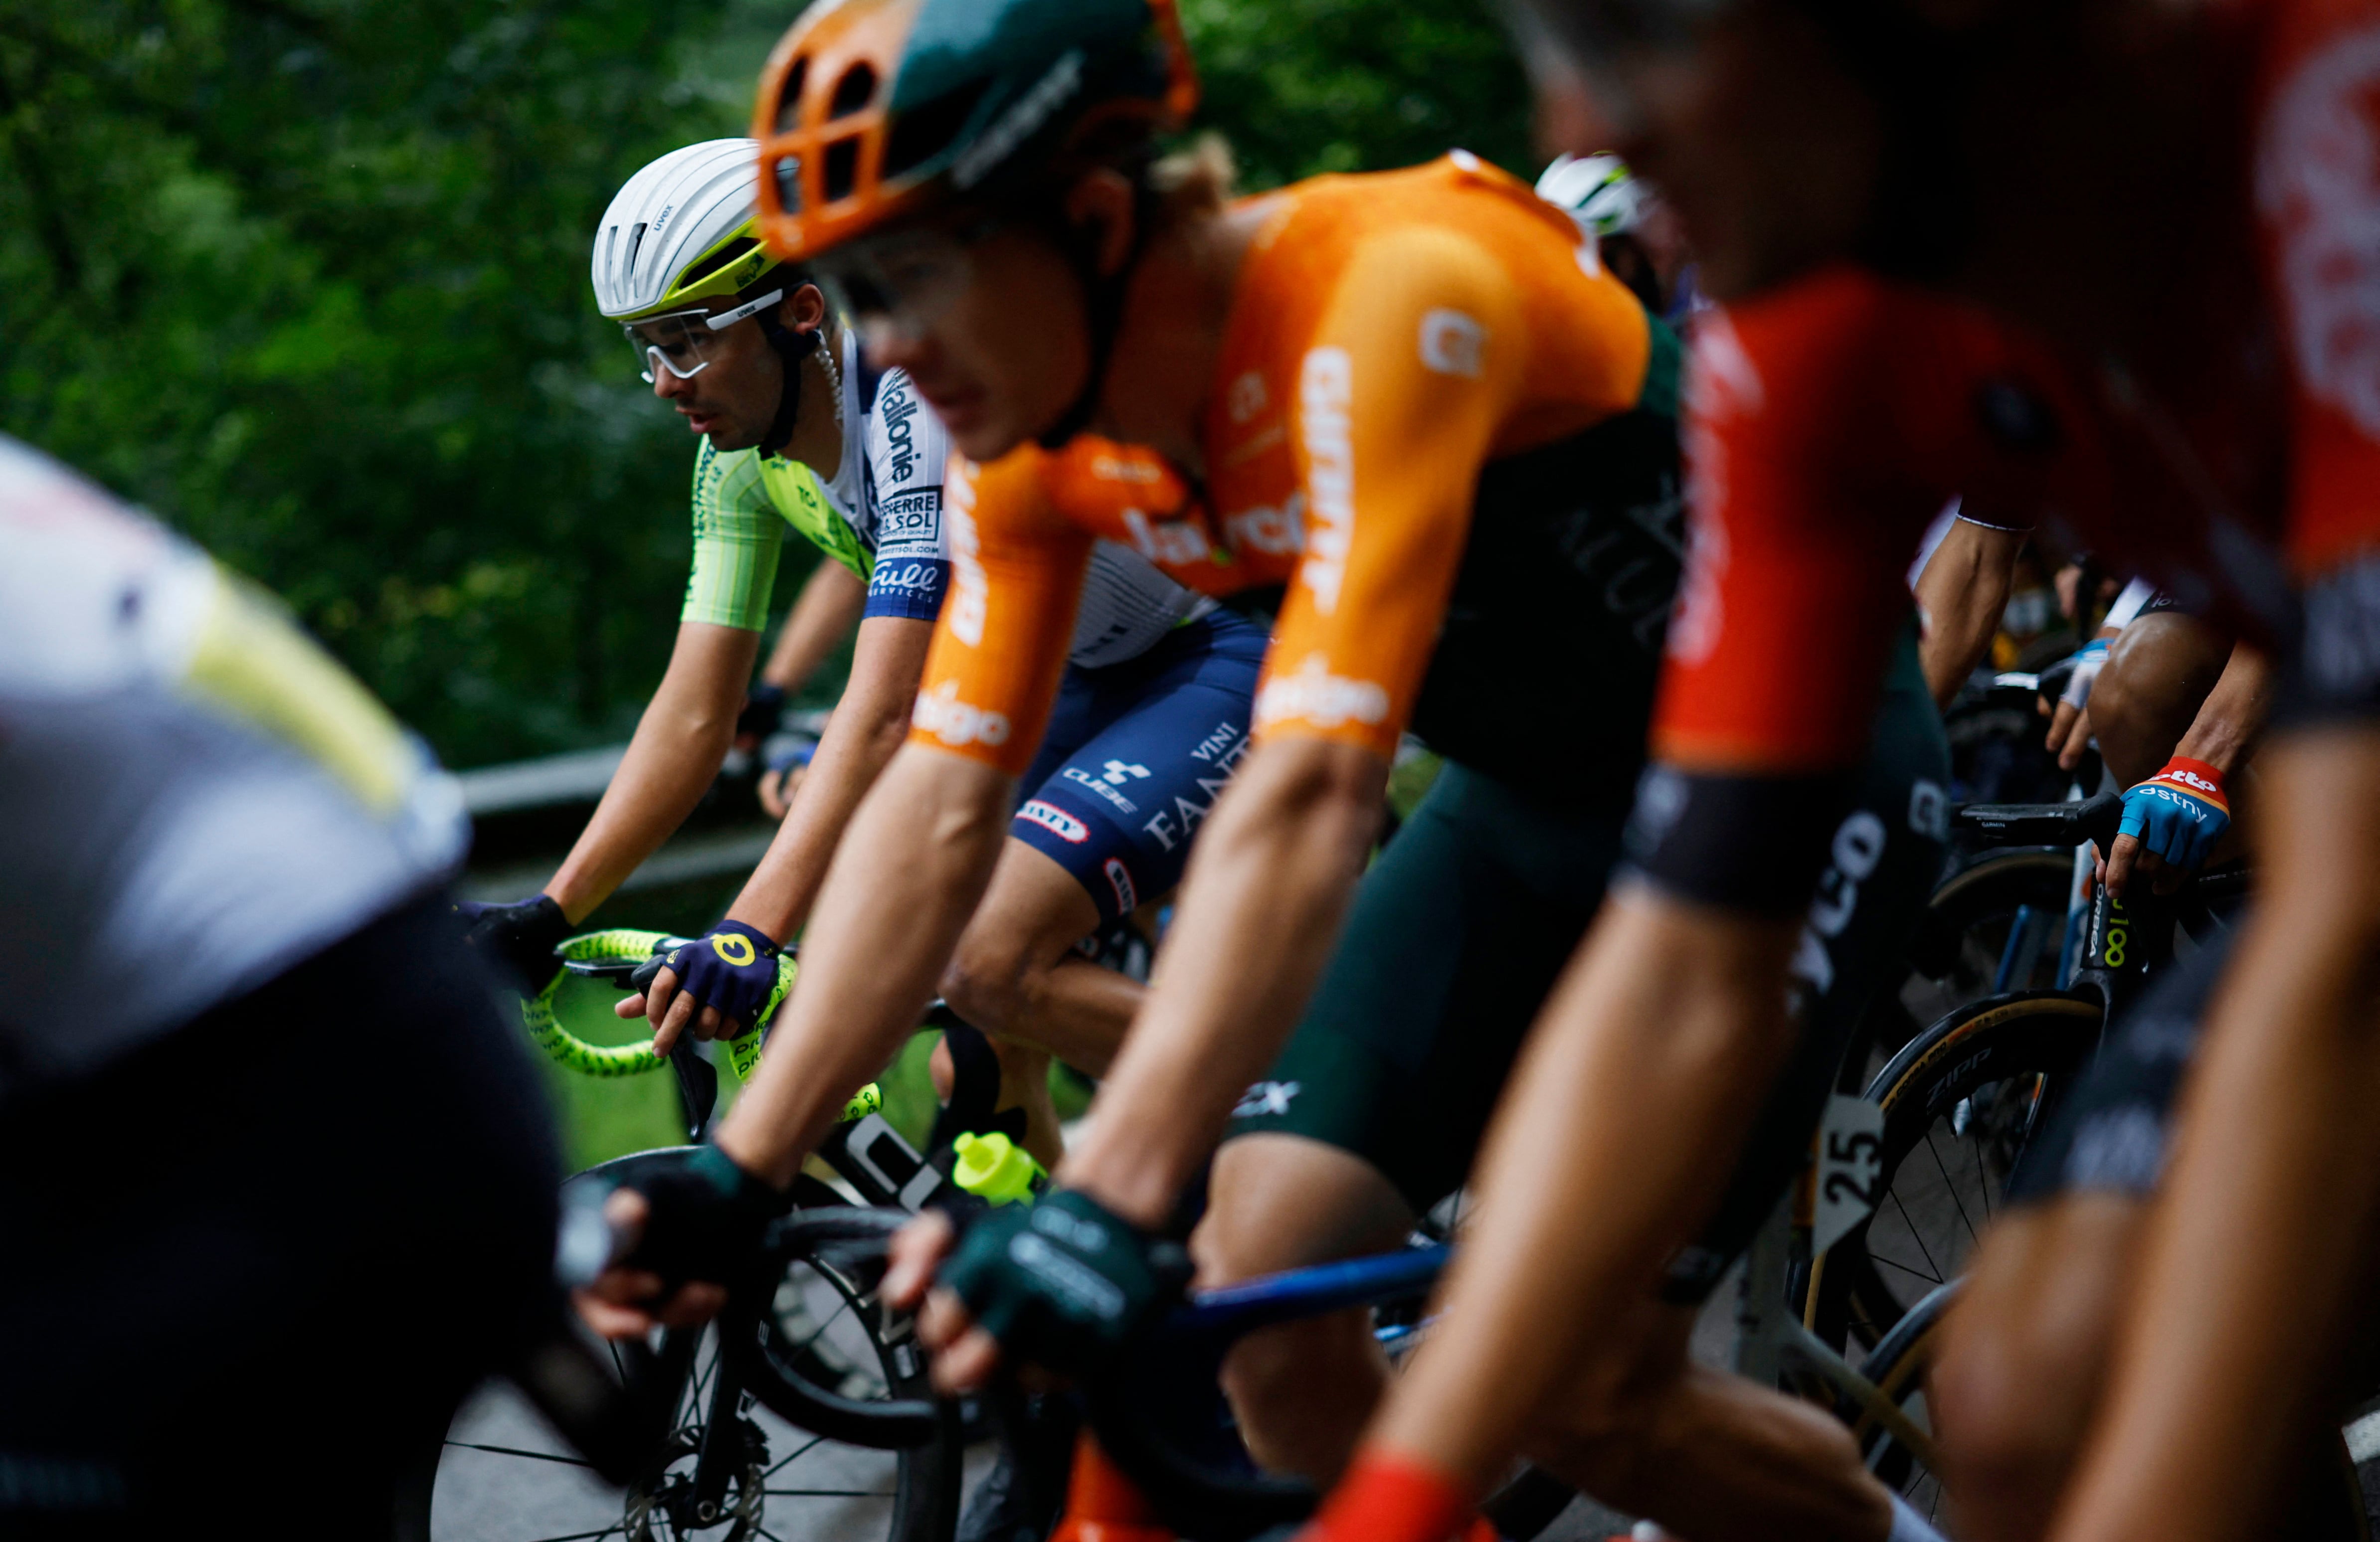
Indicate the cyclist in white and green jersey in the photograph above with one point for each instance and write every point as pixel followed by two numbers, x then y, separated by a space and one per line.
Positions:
pixel 797 431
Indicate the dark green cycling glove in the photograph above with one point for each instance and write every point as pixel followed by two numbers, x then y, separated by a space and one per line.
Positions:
pixel 706 1217
pixel 1064 1280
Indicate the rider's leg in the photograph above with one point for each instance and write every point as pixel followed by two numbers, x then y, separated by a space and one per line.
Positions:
pixel 2159 670
pixel 1644 1429
pixel 1137 753
pixel 2024 1357
pixel 1373 1110
pixel 1302 1392
pixel 1016 975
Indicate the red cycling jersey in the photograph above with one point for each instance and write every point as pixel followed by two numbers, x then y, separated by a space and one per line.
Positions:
pixel 1831 418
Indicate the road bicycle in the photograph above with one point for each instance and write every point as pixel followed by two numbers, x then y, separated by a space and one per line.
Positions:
pixel 1962 1098
pixel 741 1428
pixel 1160 1453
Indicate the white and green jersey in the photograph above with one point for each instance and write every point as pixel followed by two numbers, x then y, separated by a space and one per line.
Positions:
pixel 193 796
pixel 881 517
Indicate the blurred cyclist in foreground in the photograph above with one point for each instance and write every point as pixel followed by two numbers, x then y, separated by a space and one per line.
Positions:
pixel 1864 190
pixel 255 1108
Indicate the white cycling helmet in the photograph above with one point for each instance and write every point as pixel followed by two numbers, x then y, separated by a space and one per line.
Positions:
pixel 680 232
pixel 1598 192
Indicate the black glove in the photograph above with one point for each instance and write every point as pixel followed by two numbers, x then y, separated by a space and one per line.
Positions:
pixel 732 969
pixel 763 705
pixel 516 941
pixel 1064 1280
pixel 706 1217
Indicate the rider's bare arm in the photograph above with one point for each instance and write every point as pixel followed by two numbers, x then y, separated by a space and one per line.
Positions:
pixel 1274 873
pixel 679 745
pixel 2275 1146
pixel 2223 735
pixel 1962 594
pixel 867 728
pixel 1616 1136
pixel 823 614
pixel 901 888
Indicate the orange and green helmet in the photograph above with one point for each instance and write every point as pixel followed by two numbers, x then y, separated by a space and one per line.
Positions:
pixel 871 110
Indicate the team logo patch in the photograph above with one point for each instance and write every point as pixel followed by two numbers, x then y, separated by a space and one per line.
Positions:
pixel 1056 821
pixel 942 714
pixel 1453 344
pixel 1266 1097
pixel 2319 187
pixel 1120 879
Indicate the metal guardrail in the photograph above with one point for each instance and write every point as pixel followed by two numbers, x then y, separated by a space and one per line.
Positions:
pixel 542 790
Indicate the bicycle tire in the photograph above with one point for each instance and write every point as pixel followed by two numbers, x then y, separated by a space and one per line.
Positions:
pixel 2031 1043
pixel 1955 955
pixel 1897 1367
pixel 847 1242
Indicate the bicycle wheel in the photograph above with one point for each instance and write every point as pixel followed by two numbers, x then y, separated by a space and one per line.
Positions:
pixel 1996 924
pixel 506 1478
pixel 1960 1101
pixel 1898 1368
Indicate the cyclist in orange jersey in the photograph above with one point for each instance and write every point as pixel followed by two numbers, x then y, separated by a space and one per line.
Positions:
pixel 1866 188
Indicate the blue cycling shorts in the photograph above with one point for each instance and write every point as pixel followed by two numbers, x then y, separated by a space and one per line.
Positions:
pixel 1135 756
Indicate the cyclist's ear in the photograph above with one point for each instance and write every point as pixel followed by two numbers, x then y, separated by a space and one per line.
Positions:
pixel 804 310
pixel 1098 207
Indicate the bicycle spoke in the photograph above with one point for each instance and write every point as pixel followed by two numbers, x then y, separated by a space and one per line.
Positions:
pixel 514 1451
pixel 815 1441
pixel 1910 1221
pixel 1950 1185
pixel 585 1536
pixel 1913 1273
pixel 830 1493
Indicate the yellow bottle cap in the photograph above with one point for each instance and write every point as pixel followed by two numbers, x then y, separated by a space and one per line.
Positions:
pixel 995 1168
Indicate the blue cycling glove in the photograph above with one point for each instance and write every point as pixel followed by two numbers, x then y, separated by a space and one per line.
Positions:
pixel 1062 1281
pixel 731 969
pixel 2087 662
pixel 516 941
pixel 2179 813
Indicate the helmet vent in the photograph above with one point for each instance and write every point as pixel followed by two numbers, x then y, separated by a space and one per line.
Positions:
pixel 611 250
pixel 789 184
pixel 717 260
pixel 635 240
pixel 789 101
pixel 919 136
pixel 854 91
pixel 842 168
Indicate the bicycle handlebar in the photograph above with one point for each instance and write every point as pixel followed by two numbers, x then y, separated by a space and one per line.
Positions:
pixel 2045 825
pixel 614 955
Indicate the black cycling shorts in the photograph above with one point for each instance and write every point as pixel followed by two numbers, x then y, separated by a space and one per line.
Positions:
pixel 2111 1132
pixel 1459 931
pixel 254 1267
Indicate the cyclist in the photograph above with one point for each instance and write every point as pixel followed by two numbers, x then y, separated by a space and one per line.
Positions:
pixel 2218 431
pixel 1637 236
pixel 1155 702
pixel 256 1111
pixel 1414 396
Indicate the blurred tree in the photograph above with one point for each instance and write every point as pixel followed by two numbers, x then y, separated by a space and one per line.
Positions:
pixel 308 277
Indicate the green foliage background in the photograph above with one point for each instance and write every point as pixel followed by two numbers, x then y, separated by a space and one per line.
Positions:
pixel 308 279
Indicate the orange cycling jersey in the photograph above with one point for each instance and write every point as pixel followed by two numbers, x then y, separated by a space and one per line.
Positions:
pixel 1428 388
pixel 1831 418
